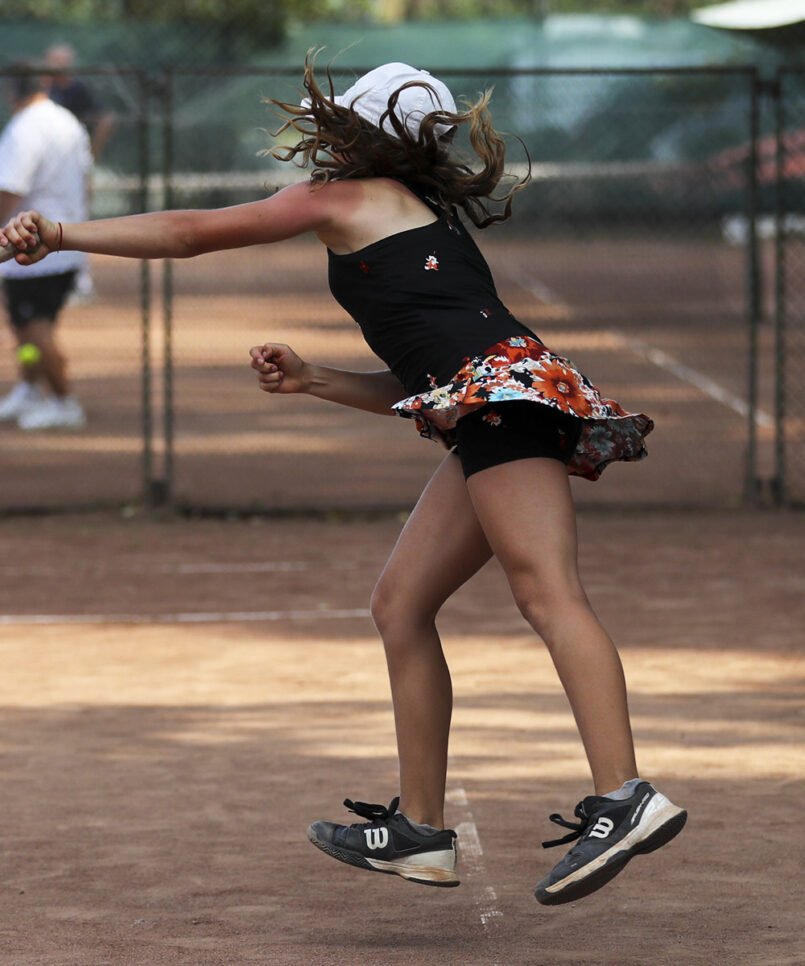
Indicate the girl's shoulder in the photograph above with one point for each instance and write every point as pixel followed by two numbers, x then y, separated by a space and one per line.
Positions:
pixel 365 210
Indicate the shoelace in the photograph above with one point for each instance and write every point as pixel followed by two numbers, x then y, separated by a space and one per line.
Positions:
pixel 579 828
pixel 374 813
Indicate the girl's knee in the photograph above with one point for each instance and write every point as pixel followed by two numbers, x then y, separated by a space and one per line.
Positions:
pixel 393 608
pixel 380 605
pixel 546 606
pixel 534 609
pixel 404 627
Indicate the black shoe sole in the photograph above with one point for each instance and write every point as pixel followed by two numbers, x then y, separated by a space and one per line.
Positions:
pixel 360 862
pixel 599 878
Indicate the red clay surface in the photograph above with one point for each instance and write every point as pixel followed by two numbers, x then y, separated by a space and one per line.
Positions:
pixel 158 777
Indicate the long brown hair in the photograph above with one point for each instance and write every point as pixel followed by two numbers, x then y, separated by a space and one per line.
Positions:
pixel 340 144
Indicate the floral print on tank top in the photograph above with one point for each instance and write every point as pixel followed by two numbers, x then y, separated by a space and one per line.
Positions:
pixel 524 368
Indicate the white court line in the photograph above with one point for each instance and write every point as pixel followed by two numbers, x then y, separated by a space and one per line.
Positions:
pixel 657 357
pixel 259 567
pixel 249 567
pixel 692 376
pixel 471 856
pixel 540 291
pixel 191 617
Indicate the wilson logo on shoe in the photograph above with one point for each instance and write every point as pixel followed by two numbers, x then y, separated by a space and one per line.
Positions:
pixel 602 828
pixel 640 807
pixel 377 838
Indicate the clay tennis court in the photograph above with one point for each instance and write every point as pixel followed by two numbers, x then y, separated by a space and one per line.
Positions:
pixel 180 698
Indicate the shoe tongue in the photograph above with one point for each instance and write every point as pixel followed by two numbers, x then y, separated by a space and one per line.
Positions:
pixel 594 803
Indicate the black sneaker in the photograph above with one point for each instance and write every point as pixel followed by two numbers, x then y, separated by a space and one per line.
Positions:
pixel 389 843
pixel 610 833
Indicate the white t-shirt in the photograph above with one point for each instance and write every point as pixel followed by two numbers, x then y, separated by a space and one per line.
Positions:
pixel 45 158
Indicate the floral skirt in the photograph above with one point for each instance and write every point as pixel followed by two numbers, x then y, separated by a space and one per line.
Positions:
pixel 523 368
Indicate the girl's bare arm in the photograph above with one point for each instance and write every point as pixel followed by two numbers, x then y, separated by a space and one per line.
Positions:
pixel 375 392
pixel 281 370
pixel 182 234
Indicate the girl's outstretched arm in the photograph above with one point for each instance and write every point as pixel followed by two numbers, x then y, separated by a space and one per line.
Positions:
pixel 181 234
pixel 281 370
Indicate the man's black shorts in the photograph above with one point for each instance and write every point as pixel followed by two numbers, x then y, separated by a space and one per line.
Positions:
pixel 39 297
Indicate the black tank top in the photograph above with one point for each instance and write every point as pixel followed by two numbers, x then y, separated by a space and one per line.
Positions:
pixel 424 300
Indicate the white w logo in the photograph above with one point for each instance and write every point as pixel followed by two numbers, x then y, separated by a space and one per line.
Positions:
pixel 377 838
pixel 602 828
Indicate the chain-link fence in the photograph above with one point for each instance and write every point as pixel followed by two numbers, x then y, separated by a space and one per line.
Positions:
pixel 619 255
pixel 635 251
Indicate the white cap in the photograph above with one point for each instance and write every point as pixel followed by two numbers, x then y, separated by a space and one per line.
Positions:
pixel 369 97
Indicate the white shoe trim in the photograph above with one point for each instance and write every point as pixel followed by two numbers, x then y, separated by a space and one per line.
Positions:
pixel 430 866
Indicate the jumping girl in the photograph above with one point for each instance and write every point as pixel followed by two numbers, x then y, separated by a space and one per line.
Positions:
pixel 516 420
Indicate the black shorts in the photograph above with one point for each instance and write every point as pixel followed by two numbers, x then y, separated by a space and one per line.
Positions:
pixel 517 430
pixel 39 297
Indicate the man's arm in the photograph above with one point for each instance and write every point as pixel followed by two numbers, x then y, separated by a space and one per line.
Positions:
pixel 101 132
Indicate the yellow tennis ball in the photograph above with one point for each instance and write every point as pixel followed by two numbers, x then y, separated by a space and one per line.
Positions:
pixel 28 354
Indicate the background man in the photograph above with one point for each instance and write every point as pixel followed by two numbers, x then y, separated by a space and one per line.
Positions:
pixel 76 95
pixel 45 162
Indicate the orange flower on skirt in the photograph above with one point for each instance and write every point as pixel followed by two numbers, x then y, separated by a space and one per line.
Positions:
pixel 559 384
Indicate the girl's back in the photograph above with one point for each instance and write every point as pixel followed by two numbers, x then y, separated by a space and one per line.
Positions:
pixel 420 290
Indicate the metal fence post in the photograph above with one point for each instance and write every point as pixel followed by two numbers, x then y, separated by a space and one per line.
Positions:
pixel 780 481
pixel 166 495
pixel 145 298
pixel 753 289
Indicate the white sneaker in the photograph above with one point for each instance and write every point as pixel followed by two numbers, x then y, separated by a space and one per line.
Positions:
pixel 54 413
pixel 23 397
pixel 84 289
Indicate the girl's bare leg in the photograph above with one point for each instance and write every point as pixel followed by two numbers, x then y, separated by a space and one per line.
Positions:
pixel 526 511
pixel 439 549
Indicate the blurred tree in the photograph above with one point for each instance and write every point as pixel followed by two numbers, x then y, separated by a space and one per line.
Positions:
pixel 269 17
pixel 264 21
pixel 396 10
